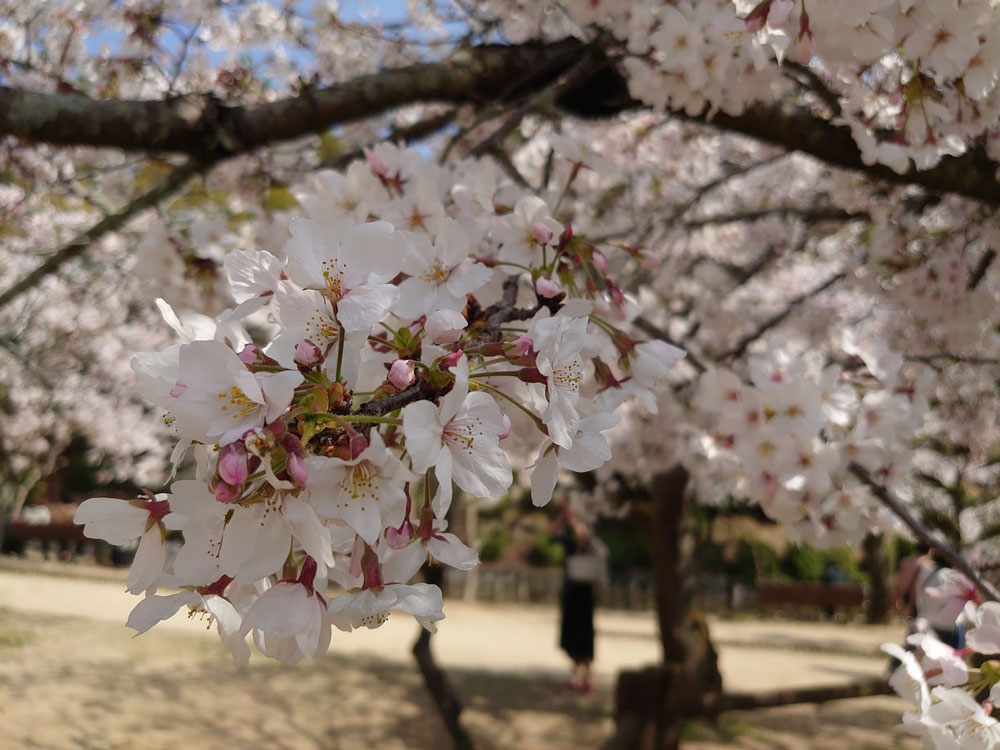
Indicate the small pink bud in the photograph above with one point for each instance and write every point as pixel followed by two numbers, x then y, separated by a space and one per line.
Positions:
pixel 649 260
pixel 565 237
pixel 506 426
pixel 179 387
pixel 547 288
pixel 523 346
pixel 452 359
pixel 358 443
pixel 278 429
pixel 224 493
pixel 297 469
pixel 445 326
pixel 399 538
pixel 600 261
pixel 377 165
pixel 540 233
pixel 250 354
pixel 401 373
pixel 233 464
pixel 307 354
pixel 804 49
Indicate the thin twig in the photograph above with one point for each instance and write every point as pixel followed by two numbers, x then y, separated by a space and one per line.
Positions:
pixel 948 357
pixel 953 558
pixel 110 223
pixel 776 319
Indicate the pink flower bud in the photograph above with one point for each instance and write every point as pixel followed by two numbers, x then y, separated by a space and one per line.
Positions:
pixel 399 538
pixel 233 464
pixel 804 49
pixel 445 326
pixel 224 493
pixel 401 373
pixel 547 288
pixel 307 354
pixel 250 354
pixel 377 165
pixel 523 346
pixel 452 359
pixel 600 261
pixel 540 233
pixel 179 387
pixel 649 260
pixel 358 443
pixel 506 426
pixel 297 469
pixel 565 237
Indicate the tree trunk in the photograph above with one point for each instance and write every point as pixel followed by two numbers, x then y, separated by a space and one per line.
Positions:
pixel 876 563
pixel 651 702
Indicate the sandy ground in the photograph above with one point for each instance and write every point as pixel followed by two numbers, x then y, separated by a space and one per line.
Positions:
pixel 71 676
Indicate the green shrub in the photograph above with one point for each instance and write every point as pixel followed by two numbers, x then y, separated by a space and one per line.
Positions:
pixel 496 541
pixel 545 551
pixel 803 562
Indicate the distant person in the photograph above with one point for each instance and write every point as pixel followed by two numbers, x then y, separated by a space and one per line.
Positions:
pixel 585 568
pixel 912 594
pixel 832 574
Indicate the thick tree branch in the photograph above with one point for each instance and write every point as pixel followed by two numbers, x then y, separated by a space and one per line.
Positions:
pixel 950 556
pixel 202 126
pixel 773 699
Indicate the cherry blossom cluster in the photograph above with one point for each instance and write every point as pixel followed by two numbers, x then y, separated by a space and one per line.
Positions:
pixel 954 692
pixel 928 71
pixel 419 317
pixel 789 433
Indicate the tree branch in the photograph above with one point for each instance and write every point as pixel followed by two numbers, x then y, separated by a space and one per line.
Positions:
pixel 894 504
pixel 825 213
pixel 110 223
pixel 200 125
pixel 778 318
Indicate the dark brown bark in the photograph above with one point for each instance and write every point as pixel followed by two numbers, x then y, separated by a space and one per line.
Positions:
pixel 201 126
pixel 651 702
pixel 878 609
pixel 776 698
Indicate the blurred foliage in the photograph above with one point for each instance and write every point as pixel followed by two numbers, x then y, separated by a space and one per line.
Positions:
pixel 545 551
pixel 496 541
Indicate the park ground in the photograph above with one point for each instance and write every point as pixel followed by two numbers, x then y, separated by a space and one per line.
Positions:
pixel 71 676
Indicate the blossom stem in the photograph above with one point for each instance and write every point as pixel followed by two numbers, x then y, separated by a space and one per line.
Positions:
pixel 340 351
pixel 534 417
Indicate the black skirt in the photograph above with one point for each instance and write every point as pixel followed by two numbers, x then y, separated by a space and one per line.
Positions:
pixel 576 632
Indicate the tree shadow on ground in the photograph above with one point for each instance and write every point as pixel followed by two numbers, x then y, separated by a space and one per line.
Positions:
pixel 84 684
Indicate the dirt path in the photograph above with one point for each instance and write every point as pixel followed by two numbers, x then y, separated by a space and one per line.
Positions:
pixel 72 677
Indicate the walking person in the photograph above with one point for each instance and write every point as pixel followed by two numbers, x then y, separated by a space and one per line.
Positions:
pixel 585 569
